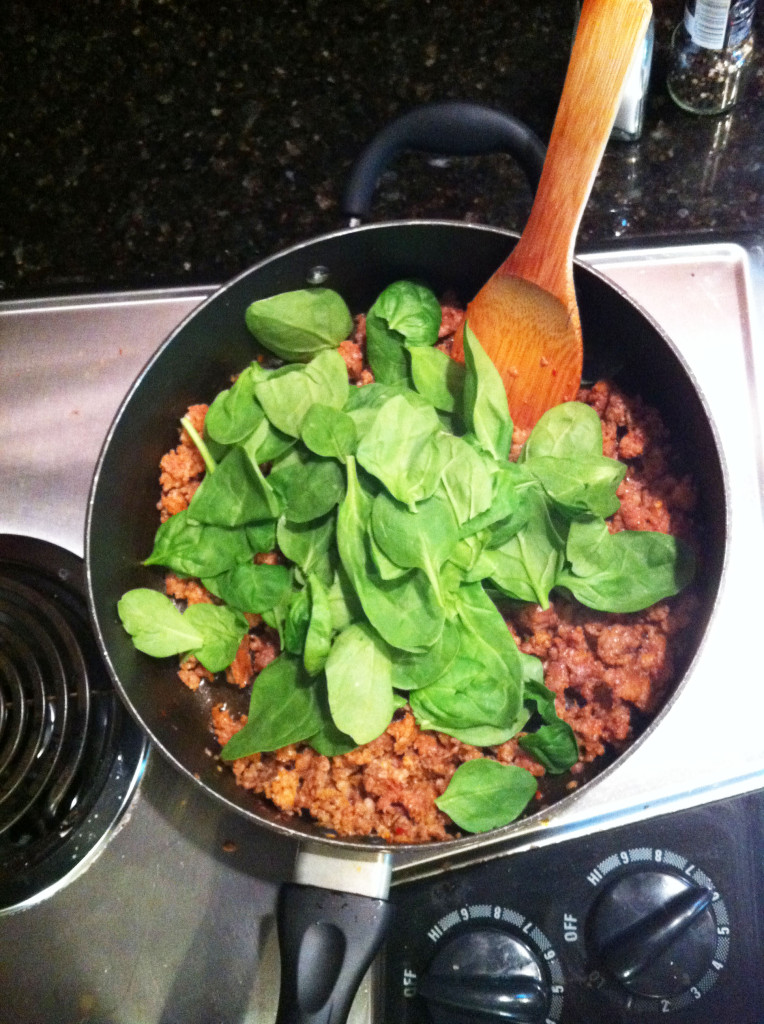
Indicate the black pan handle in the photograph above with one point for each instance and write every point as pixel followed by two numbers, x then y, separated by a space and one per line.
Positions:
pixel 450 128
pixel 327 941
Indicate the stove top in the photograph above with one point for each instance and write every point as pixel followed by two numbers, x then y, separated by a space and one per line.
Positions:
pixel 173 918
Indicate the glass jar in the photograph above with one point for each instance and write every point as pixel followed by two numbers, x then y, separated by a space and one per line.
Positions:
pixel 711 53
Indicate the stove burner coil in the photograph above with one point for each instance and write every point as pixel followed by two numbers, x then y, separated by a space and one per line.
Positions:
pixel 69 754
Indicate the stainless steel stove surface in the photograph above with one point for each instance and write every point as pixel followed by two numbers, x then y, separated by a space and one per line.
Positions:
pixel 167 916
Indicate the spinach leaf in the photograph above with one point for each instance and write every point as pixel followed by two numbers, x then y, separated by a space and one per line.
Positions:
pixel 251 588
pixel 553 744
pixel 235 494
pixel 197 549
pixel 401 451
pixel 157 626
pixel 261 536
pixel 580 485
pixel 210 460
pixel 480 617
pixel 469 701
pixel 266 443
pixel 411 310
pixel 466 478
pixel 479 699
pixel 405 313
pixel 309 545
pixel 404 611
pixel 566 431
pixel 296 325
pixel 318 639
pixel 358 678
pixel 486 411
pixel 564 453
pixel 328 432
pixel 222 630
pixel 484 794
pixel 284 708
pixel 625 571
pixel 438 378
pixel 413 671
pixel 363 403
pixel 508 509
pixel 330 742
pixel 384 565
pixel 344 605
pixel 210 632
pixel 527 566
pixel 287 396
pixel 308 485
pixel 234 413
pixel 415 540
pixel 296 621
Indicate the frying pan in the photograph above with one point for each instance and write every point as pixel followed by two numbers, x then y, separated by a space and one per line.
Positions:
pixel 333 916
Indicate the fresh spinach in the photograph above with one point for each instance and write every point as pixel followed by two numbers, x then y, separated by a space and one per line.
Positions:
pixel 484 794
pixel 287 396
pixel 566 431
pixel 625 571
pixel 237 493
pixel 404 611
pixel 284 708
pixel 197 549
pixel 309 486
pixel 415 540
pixel 358 677
pixel 235 413
pixel 438 378
pixel 404 314
pixel 251 588
pixel 297 325
pixel 579 486
pixel 212 633
pixel 486 410
pixel 527 566
pixel 318 639
pixel 328 432
pixel 310 545
pixel 401 450
pixel 413 671
pixel 553 743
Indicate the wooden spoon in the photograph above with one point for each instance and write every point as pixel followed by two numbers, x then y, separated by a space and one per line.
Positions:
pixel 526 316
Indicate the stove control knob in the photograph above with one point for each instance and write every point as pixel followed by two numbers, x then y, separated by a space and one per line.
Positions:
pixel 653 932
pixel 485 974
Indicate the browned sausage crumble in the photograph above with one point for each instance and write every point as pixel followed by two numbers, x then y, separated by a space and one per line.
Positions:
pixel 604 668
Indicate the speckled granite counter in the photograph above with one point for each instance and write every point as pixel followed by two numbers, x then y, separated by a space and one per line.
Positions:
pixel 156 142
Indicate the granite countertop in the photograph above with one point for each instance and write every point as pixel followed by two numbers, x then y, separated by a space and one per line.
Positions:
pixel 173 142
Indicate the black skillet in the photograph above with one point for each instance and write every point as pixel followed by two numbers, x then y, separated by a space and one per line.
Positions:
pixel 332 920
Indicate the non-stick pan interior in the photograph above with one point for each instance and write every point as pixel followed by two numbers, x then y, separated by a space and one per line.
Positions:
pixel 197 361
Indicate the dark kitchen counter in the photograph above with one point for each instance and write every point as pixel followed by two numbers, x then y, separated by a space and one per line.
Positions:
pixel 175 142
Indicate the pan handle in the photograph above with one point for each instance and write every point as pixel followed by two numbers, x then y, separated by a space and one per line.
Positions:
pixel 330 929
pixel 451 128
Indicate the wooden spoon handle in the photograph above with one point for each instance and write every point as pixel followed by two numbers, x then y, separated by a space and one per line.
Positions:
pixel 607 37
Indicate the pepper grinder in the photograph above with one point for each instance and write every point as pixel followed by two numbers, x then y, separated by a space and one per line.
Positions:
pixel 711 54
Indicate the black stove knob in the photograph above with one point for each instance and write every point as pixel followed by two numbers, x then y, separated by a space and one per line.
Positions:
pixel 483 975
pixel 653 933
